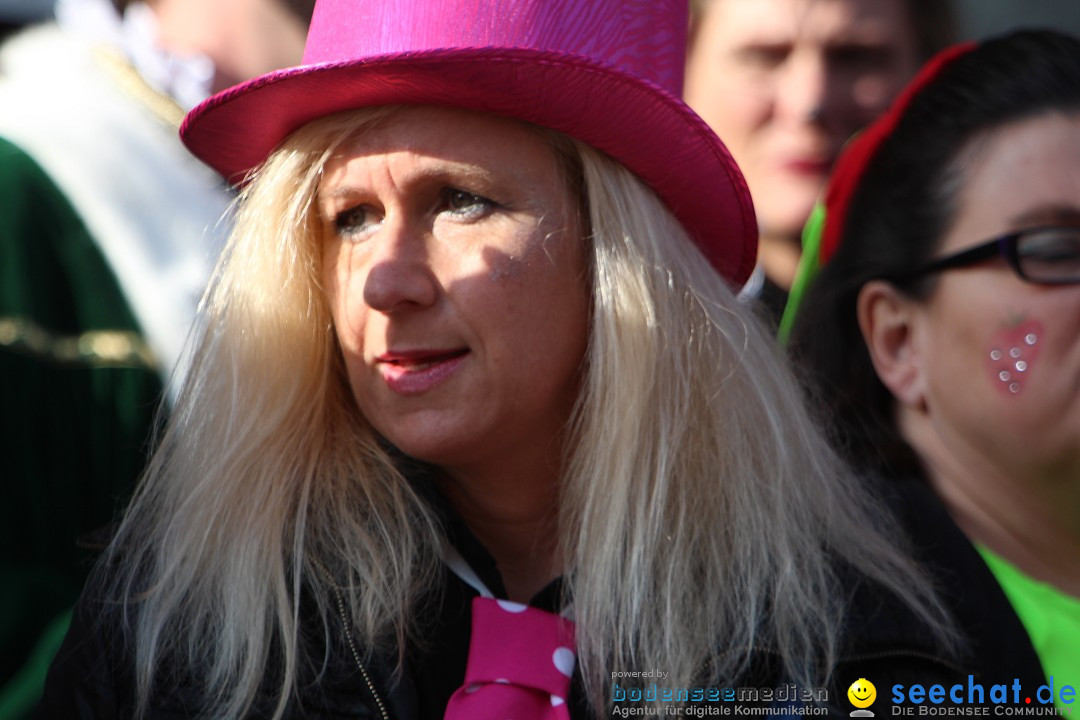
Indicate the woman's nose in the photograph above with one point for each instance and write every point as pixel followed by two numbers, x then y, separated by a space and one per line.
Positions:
pixel 400 276
pixel 804 89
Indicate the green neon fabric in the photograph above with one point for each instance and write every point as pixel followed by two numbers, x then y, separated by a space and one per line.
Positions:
pixel 1052 621
pixel 809 266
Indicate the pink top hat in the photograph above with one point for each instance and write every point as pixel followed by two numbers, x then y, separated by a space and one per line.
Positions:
pixel 607 72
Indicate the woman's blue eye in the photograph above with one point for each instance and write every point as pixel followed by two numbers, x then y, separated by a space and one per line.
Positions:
pixel 460 202
pixel 350 221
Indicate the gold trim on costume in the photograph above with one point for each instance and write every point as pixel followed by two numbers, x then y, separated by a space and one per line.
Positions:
pixel 129 80
pixel 96 348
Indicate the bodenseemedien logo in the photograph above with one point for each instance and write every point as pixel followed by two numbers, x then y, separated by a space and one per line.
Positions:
pixel 862 694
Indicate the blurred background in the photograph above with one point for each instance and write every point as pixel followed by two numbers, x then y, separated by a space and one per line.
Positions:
pixel 978 18
pixel 15 13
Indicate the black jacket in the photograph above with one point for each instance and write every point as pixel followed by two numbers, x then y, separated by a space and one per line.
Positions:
pixel 890 647
pixel 885 643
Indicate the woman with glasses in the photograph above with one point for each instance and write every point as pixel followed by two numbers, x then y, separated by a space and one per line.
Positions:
pixel 943 333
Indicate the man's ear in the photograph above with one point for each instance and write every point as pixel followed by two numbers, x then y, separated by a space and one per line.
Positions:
pixel 887 320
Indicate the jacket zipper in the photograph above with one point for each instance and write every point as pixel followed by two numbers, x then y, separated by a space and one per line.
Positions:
pixel 356 655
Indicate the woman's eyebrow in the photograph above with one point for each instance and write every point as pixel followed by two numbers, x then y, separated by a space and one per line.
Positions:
pixel 438 170
pixel 1047 215
pixel 329 202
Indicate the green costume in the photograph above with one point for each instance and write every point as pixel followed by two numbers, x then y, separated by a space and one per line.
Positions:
pixel 80 392
pixel 108 228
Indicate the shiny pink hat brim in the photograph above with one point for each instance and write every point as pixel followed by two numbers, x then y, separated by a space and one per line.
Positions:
pixel 653 134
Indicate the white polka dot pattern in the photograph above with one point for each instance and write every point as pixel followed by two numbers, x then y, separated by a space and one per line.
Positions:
pixel 564 660
pixel 521 663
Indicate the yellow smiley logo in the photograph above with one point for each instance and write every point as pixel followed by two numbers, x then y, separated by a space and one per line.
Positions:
pixel 862 693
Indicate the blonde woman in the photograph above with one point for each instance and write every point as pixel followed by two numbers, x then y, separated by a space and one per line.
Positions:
pixel 473 380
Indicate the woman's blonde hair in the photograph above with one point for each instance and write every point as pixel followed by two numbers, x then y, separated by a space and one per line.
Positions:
pixel 702 514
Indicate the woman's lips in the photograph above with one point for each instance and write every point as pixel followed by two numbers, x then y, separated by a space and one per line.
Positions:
pixel 808 166
pixel 413 372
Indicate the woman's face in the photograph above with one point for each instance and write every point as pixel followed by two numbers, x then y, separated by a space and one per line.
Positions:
pixel 785 83
pixel 455 269
pixel 982 321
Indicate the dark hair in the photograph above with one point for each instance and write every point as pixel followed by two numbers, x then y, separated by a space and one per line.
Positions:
pixel 898 216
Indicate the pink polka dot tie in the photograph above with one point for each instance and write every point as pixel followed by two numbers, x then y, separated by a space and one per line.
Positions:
pixel 520 663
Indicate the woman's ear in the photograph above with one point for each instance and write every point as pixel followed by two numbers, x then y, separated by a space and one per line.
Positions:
pixel 887 320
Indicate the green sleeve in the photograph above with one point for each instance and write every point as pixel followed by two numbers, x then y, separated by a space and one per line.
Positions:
pixel 79 397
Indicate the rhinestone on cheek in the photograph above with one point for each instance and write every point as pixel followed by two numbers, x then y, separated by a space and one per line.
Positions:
pixel 1021 366
pixel 1014 387
pixel 1004 376
pixel 1030 338
pixel 1014 353
pixel 995 354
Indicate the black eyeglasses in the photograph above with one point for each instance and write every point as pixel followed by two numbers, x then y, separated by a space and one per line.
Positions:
pixel 1044 255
